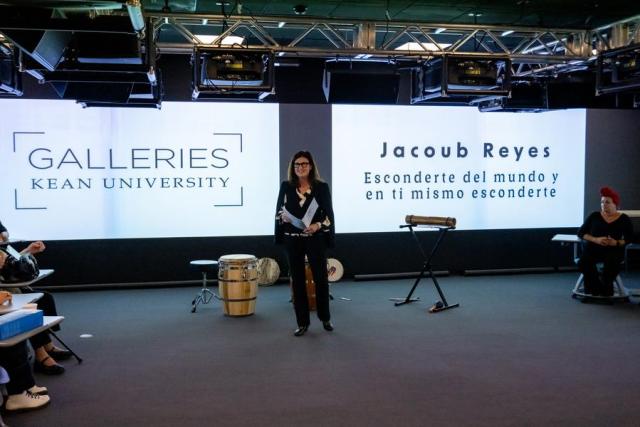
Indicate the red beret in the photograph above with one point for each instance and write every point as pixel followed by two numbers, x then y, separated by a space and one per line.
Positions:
pixel 610 192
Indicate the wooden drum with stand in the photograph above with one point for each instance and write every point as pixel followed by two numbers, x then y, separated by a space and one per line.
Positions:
pixel 238 284
pixel 311 286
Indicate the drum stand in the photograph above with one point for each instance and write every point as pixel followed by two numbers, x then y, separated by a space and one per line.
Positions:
pixel 426 267
pixel 205 295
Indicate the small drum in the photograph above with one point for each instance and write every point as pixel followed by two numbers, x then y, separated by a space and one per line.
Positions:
pixel 335 270
pixel 238 284
pixel 268 271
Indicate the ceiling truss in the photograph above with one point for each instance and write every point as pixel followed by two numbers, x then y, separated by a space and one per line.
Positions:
pixel 532 50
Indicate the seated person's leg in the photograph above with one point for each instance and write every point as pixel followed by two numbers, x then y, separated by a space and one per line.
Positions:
pixel 44 362
pixel 23 393
pixel 610 271
pixel 587 266
pixel 48 306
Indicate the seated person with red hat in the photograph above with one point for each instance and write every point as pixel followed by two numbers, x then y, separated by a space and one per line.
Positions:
pixel 605 233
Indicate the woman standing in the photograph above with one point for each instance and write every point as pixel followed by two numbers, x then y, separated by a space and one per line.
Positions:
pixel 606 233
pixel 304 223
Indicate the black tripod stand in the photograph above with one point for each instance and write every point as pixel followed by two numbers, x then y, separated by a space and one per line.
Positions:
pixel 426 268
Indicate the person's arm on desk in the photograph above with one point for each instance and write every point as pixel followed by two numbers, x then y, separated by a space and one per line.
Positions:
pixel 34 248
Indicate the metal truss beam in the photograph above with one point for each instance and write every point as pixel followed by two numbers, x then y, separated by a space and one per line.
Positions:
pixel 532 51
pixel 542 50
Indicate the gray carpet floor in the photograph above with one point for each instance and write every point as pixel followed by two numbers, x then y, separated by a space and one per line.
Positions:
pixel 517 352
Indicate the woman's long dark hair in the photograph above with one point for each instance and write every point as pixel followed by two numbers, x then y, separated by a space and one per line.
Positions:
pixel 314 174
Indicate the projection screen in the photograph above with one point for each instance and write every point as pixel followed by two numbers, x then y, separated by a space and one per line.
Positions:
pixel 190 169
pixel 488 170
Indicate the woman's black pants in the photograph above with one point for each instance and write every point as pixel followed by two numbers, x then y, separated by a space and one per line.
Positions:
pixel 611 258
pixel 48 306
pixel 314 247
pixel 15 361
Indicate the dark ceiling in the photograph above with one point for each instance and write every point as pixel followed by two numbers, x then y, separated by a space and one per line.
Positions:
pixel 86 48
pixel 579 14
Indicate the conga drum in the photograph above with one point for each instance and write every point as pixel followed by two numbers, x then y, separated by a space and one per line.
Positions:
pixel 311 286
pixel 238 284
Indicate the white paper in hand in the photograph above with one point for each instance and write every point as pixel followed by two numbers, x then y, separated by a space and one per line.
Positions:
pixel 295 221
pixel 311 211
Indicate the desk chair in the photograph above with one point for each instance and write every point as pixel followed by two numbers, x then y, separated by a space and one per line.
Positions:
pixel 620 293
pixel 205 295
pixel 629 247
pixel 43 273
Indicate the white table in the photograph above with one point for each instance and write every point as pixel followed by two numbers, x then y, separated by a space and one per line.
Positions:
pixel 48 322
pixel 565 239
pixel 43 273
pixel 18 301
pixel 631 213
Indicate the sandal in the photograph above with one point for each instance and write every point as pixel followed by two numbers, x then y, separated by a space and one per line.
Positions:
pixel 55 369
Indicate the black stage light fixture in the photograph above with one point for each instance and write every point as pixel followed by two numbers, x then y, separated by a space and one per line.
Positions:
pixel 10 76
pixel 357 82
pixel 619 70
pixel 231 71
pixel 114 94
pixel 108 89
pixel 525 96
pixel 462 76
pixel 108 69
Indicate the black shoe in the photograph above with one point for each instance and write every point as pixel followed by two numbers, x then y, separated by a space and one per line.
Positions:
pixel 60 354
pixel 300 331
pixel 327 326
pixel 47 370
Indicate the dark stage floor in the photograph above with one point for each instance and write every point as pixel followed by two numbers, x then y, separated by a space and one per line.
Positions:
pixel 519 351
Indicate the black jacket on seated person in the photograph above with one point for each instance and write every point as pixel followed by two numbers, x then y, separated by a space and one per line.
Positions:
pixel 595 225
pixel 610 256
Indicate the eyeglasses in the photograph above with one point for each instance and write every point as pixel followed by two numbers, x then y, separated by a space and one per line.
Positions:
pixel 301 165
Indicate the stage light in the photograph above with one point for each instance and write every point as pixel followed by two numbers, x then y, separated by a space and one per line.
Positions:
pixel 357 82
pixel 281 24
pixel 467 78
pixel 440 30
pixel 618 70
pixel 508 32
pixel 528 96
pixel 221 71
pixel 10 77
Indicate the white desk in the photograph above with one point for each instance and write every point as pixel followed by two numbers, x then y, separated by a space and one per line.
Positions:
pixel 18 301
pixel 43 273
pixel 631 213
pixel 49 321
pixel 565 239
